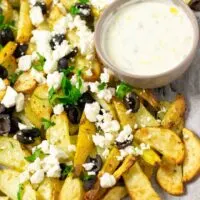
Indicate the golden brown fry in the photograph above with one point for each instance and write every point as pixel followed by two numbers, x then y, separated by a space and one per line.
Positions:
pixel 10 64
pixel 191 165
pixel 7 10
pixel 146 168
pixel 163 140
pixel 116 193
pixel 7 51
pixel 138 185
pixel 84 143
pixel 151 157
pixel 25 83
pixel 174 118
pixel 24 29
pixel 169 177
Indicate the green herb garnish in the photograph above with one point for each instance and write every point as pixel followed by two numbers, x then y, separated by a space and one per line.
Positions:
pixel 74 10
pixel 20 192
pixel 86 177
pixel 39 64
pixel 66 169
pixel 102 86
pixel 68 70
pixel 13 77
pixel 37 154
pixel 122 90
pixel 4 25
pixel 47 123
pixel 84 1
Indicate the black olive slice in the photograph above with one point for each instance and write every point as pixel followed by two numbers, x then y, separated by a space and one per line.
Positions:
pixel 85 98
pixel 3 72
pixel 97 163
pixel 20 50
pixel 72 54
pixel 6 35
pixel 88 184
pixel 2 109
pixel 74 114
pixel 124 144
pixel 4 124
pixel 14 125
pixel 34 132
pixel 132 102
pixel 24 139
pixel 56 40
pixel 62 64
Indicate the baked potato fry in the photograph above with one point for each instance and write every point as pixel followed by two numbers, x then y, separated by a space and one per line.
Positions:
pixel 151 157
pixel 124 118
pixel 24 30
pixel 10 64
pixel 7 51
pixel 191 164
pixel 72 189
pixel 7 10
pixel 25 83
pixel 4 198
pixel 138 185
pixel 84 143
pixel 116 193
pixel 174 118
pixel 59 133
pixel 9 185
pixel 146 168
pixel 170 178
pixel 164 141
pixel 12 154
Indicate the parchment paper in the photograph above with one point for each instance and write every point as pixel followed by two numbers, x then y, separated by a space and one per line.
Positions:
pixel 189 85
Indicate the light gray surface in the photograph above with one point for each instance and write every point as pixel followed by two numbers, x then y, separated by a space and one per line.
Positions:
pixel 189 85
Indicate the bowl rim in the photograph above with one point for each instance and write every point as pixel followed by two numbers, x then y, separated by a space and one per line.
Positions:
pixel 107 63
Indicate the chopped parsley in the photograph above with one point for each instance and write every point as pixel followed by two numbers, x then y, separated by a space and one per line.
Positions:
pixel 122 90
pixel 37 154
pixel 102 86
pixel 20 192
pixel 74 10
pixel 68 70
pixel 39 65
pixel 5 25
pixel 47 123
pixel 13 77
pixel 65 170
pixel 86 177
pixel 84 1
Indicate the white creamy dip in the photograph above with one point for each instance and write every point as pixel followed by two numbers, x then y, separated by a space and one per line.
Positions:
pixel 148 37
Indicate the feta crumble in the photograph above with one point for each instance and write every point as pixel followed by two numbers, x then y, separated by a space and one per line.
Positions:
pixel 24 63
pixel 38 76
pixel 91 111
pixel 125 134
pixel 2 84
pixel 20 102
pixel 107 180
pixel 88 166
pixel 105 76
pixel 54 80
pixel 36 15
pixel 58 109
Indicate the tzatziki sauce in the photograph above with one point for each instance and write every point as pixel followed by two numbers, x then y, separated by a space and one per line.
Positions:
pixel 148 37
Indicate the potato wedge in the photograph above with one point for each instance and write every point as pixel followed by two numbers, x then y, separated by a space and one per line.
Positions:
pixel 191 164
pixel 124 118
pixel 164 106
pixel 25 83
pixel 84 143
pixel 73 128
pixel 72 189
pixel 4 198
pixel 10 64
pixel 68 4
pixel 24 30
pixel 151 157
pixel 174 118
pixel 7 51
pixel 49 189
pixel 9 185
pixel 40 104
pixel 12 154
pixel 138 185
pixel 59 133
pixel 164 141
pixel 146 168
pixel 116 193
pixel 145 119
pixel 170 178
pixel 7 10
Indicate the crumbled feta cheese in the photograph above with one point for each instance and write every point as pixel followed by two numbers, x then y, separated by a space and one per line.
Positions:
pixel 75 81
pixel 100 4
pixel 135 126
pixel 94 87
pixel 91 173
pixel 91 111
pixel 22 126
pixel 54 80
pixel 19 102
pixel 37 177
pixel 50 66
pixel 71 148
pixel 57 153
pixel 125 134
pixel 128 112
pixel 126 151
pixel 35 166
pixel 9 99
pixel 105 76
pixel 24 63
pixel 58 109
pixel 107 180
pixel 88 72
pixel 2 84
pixel 103 141
pixel 38 76
pixel 144 146
pixel 44 146
pixel 106 94
pixel 24 176
pixel 88 166
pixel 36 15
pixel 105 153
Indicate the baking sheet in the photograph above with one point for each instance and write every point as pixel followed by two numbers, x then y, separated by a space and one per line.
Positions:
pixel 189 85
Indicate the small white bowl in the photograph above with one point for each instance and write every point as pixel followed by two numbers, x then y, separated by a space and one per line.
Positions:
pixel 145 81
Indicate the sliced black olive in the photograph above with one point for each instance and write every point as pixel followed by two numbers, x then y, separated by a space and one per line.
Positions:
pixel 6 35
pixel 20 50
pixel 150 108
pixel 56 40
pixel 62 64
pixel 43 7
pixel 195 5
pixel 88 184
pixel 4 124
pixel 10 110
pixel 132 102
pixel 74 114
pixel 123 144
pixel 34 132
pixel 85 98
pixel 97 163
pixel 14 125
pixel 72 54
pixel 2 109
pixel 3 72
pixel 65 170
pixel 24 139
